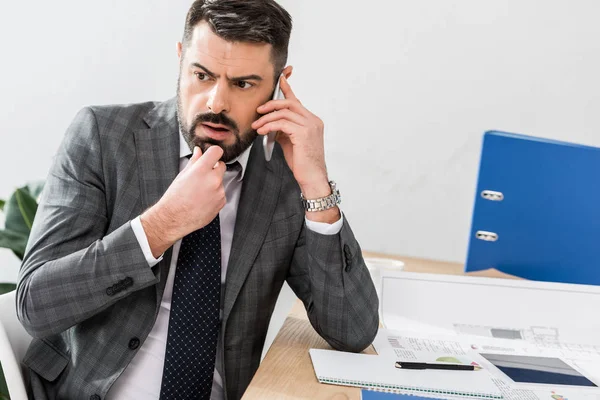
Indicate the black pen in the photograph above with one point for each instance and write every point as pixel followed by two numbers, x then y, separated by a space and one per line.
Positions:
pixel 424 365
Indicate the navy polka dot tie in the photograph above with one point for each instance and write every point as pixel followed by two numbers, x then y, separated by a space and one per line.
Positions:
pixel 194 319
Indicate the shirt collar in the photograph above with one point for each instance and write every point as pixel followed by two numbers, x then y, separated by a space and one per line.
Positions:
pixel 184 151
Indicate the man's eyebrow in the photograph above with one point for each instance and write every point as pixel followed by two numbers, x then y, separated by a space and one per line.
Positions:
pixel 246 78
pixel 198 65
pixel 253 77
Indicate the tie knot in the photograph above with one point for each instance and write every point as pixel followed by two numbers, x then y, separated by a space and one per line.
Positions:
pixel 234 166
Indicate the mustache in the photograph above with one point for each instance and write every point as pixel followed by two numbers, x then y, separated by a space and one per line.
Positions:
pixel 214 119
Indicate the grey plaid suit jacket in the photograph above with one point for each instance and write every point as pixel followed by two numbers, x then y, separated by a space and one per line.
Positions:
pixel 88 297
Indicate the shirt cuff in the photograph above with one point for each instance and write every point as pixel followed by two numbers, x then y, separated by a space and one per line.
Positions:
pixel 324 228
pixel 142 239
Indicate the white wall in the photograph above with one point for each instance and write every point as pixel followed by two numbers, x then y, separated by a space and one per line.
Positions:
pixel 405 88
pixel 61 55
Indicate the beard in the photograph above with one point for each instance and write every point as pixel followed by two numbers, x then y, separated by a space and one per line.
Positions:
pixel 231 151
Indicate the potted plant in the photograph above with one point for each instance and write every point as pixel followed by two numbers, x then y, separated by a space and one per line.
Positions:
pixel 19 212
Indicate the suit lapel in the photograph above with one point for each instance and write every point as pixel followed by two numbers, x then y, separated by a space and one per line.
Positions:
pixel 260 192
pixel 158 164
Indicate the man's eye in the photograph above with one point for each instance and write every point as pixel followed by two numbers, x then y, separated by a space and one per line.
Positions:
pixel 201 76
pixel 243 84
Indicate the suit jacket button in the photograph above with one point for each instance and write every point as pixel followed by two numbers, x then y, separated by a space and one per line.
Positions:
pixel 347 257
pixel 134 343
pixel 110 291
pixel 94 397
pixel 128 281
pixel 347 251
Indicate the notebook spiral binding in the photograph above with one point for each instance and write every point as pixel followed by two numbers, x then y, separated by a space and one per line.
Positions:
pixel 403 389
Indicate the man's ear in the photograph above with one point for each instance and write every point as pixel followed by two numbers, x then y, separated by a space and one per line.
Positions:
pixel 179 50
pixel 287 71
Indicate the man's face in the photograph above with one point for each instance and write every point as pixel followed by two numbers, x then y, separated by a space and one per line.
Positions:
pixel 221 84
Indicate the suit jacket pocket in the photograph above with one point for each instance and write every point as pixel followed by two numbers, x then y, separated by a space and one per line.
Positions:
pixel 45 360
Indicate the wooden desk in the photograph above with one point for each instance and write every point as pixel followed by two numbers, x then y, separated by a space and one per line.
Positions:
pixel 286 371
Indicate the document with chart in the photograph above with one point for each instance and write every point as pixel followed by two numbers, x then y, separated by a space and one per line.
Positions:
pixel 509 323
pixel 517 369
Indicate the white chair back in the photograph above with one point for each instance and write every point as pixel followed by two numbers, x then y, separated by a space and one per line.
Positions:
pixel 14 341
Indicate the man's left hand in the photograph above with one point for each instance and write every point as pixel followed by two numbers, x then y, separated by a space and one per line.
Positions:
pixel 300 134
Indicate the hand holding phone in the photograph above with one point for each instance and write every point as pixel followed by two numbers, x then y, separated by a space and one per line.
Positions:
pixel 269 138
pixel 301 141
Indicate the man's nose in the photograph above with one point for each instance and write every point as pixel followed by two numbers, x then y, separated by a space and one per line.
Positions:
pixel 218 101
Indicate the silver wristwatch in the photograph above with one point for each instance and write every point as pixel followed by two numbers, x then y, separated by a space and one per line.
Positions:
pixel 324 203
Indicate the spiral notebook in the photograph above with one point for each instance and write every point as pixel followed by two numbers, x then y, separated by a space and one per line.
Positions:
pixel 378 372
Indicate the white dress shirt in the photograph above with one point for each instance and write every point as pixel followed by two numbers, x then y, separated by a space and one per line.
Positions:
pixel 142 378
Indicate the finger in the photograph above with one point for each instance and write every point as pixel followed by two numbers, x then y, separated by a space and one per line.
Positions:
pixel 282 125
pixel 220 168
pixel 286 89
pixel 210 158
pixel 280 114
pixel 196 154
pixel 287 146
pixel 274 105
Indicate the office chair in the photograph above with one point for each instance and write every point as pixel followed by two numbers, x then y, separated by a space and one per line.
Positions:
pixel 14 341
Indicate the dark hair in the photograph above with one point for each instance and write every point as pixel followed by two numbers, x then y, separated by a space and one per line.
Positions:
pixel 257 21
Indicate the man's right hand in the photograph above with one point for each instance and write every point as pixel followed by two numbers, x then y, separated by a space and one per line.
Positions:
pixel 191 202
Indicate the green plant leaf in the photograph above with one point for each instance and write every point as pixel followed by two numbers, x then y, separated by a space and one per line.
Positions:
pixel 19 211
pixel 13 220
pixel 27 206
pixel 3 386
pixel 7 287
pixel 16 241
pixel 2 202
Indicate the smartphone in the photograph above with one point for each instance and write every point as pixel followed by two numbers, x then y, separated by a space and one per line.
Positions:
pixel 269 138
